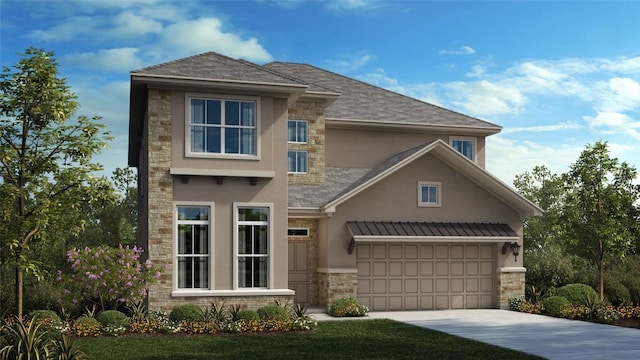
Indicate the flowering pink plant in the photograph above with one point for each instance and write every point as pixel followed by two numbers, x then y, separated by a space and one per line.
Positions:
pixel 106 276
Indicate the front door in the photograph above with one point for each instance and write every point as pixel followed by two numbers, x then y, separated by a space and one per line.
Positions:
pixel 299 270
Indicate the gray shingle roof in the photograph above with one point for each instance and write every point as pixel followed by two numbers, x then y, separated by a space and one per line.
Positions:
pixel 337 179
pixel 362 101
pixel 215 66
pixel 395 228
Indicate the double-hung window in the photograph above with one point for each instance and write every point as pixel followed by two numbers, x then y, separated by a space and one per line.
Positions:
pixel 253 246
pixel 428 194
pixel 222 126
pixel 193 250
pixel 297 131
pixel 464 146
pixel 298 161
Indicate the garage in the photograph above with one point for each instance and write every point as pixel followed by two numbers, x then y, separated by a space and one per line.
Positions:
pixel 427 266
pixel 425 276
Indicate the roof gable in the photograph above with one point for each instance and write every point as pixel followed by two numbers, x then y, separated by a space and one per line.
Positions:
pixel 452 158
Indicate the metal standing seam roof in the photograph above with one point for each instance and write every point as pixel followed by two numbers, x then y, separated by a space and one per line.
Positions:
pixel 429 229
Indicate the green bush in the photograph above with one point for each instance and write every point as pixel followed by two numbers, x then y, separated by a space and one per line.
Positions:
pixel 547 268
pixel 273 312
pixel 48 317
pixel 615 290
pixel 553 305
pixel 578 294
pixel 112 317
pixel 188 312
pixel 347 307
pixel 87 326
pixel 248 314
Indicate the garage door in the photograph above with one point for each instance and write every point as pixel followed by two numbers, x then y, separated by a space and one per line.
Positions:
pixel 425 276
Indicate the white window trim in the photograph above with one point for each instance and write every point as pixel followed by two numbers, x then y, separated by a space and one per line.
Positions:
pixel 187 129
pixel 307 133
pixel 297 172
pixel 270 277
pixel 438 185
pixel 473 146
pixel 193 292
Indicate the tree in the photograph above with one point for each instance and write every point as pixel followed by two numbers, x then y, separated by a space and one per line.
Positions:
pixel 548 191
pixel 599 212
pixel 45 158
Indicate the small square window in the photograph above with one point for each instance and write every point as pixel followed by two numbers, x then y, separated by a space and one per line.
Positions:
pixel 297 131
pixel 297 162
pixel 428 194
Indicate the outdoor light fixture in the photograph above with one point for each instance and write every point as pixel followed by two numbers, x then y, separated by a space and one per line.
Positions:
pixel 515 249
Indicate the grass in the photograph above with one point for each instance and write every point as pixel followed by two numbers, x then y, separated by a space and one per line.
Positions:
pixel 361 339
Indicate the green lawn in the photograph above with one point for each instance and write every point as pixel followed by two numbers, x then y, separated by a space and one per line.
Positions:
pixel 361 339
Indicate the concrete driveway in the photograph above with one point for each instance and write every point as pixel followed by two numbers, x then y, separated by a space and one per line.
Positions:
pixel 545 336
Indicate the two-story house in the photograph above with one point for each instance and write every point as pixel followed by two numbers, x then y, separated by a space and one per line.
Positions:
pixel 289 182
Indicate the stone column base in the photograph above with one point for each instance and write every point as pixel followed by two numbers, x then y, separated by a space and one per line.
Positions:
pixel 510 285
pixel 335 284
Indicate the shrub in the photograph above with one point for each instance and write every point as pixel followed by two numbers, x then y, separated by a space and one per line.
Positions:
pixel 615 290
pixel 578 294
pixel 347 307
pixel 47 318
pixel 112 317
pixel 248 315
pixel 273 312
pixel 530 308
pixel 514 303
pixel 87 326
pixel 27 341
pixel 547 268
pixel 607 314
pixel 187 312
pixel 553 305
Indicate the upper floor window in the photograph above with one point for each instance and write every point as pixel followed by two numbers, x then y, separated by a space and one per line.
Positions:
pixel 428 194
pixel 464 146
pixel 297 131
pixel 193 256
pixel 297 162
pixel 222 126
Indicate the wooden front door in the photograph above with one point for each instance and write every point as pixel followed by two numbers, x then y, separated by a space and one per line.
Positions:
pixel 299 270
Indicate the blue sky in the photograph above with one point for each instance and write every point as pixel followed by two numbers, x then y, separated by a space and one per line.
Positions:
pixel 555 75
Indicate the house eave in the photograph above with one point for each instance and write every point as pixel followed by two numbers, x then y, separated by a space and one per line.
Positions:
pixel 344 123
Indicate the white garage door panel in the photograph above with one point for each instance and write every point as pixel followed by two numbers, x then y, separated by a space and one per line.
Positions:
pixel 425 276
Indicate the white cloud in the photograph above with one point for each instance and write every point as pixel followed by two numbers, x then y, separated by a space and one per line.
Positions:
pixel 614 122
pixel 129 24
pixel 486 98
pixel 340 5
pixel 205 34
pixel 620 94
pixel 507 158
pixel 350 62
pixel 543 128
pixel 67 30
pixel 463 50
pixel 116 60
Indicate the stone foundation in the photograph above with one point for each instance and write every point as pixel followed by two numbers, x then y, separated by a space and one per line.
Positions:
pixel 335 285
pixel 511 281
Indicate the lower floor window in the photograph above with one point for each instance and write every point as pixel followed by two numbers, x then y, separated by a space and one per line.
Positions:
pixel 193 255
pixel 253 243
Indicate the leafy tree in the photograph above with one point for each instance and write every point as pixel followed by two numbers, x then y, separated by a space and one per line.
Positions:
pixel 599 208
pixel 45 159
pixel 547 190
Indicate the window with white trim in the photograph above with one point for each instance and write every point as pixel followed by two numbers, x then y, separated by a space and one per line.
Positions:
pixel 253 244
pixel 297 131
pixel 193 256
pixel 464 146
pixel 428 194
pixel 222 126
pixel 298 162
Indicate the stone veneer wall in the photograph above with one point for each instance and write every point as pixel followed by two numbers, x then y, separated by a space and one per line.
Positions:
pixel 312 263
pixel 160 195
pixel 336 285
pixel 511 282
pixel 313 112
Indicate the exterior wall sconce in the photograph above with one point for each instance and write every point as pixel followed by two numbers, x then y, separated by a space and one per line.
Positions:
pixel 514 247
